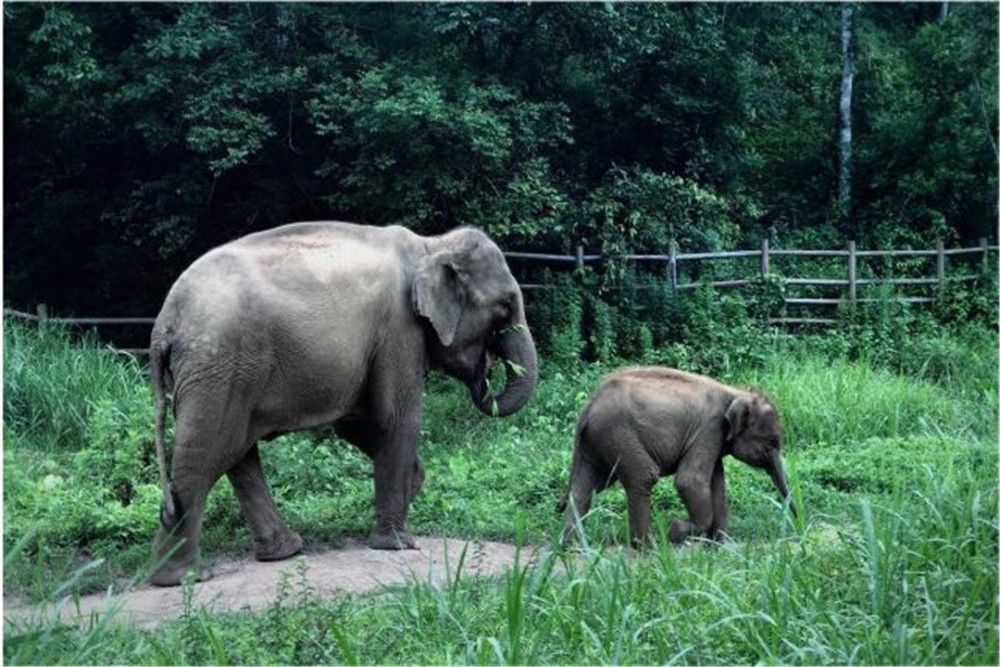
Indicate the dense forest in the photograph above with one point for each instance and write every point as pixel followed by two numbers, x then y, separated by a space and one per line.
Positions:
pixel 139 135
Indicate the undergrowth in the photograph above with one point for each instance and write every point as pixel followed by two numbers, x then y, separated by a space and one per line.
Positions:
pixel 891 451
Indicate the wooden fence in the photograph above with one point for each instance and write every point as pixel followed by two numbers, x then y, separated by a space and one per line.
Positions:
pixel 849 279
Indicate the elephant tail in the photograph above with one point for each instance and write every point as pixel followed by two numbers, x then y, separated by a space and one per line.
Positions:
pixel 159 359
pixel 581 427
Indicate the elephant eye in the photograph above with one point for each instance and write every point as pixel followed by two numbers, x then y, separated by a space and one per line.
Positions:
pixel 506 306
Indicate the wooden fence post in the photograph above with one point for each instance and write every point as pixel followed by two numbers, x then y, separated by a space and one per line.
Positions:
pixel 672 268
pixel 765 259
pixel 852 272
pixel 43 313
pixel 940 266
pixel 985 245
pixel 579 257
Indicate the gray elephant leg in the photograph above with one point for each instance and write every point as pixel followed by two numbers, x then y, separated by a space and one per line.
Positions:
pixel 273 539
pixel 720 504
pixel 695 489
pixel 395 464
pixel 177 546
pixel 361 434
pixel 639 477
pixel 176 542
pixel 207 442
pixel 416 480
pixel 638 496
pixel 586 479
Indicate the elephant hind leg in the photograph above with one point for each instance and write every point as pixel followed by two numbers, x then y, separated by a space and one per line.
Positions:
pixel 639 482
pixel 585 480
pixel 273 539
pixel 175 547
pixel 205 446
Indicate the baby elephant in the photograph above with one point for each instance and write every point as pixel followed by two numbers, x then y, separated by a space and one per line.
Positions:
pixel 644 423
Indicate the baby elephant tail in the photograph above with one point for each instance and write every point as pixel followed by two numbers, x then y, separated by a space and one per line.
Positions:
pixel 581 426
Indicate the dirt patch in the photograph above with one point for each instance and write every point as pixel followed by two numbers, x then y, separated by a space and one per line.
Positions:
pixel 248 584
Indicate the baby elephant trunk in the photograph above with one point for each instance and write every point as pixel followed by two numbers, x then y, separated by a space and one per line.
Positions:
pixel 777 473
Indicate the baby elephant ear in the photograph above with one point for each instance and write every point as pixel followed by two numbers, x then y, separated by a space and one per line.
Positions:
pixel 737 417
pixel 436 295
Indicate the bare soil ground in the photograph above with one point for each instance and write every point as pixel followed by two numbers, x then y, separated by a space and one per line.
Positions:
pixel 247 584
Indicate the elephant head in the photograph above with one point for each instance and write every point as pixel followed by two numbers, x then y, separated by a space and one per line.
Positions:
pixel 754 436
pixel 466 292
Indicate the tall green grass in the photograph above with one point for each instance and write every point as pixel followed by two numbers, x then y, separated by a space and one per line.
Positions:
pixel 835 399
pixel 52 383
pixel 79 472
pixel 910 579
pixel 893 559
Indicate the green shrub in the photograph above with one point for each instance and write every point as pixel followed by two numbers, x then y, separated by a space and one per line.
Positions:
pixel 599 321
pixel 766 297
pixel 52 382
pixel 566 337
pixel 338 478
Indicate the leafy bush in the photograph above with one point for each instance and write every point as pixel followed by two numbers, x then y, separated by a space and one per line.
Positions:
pixel 554 317
pixel 631 209
pixel 52 383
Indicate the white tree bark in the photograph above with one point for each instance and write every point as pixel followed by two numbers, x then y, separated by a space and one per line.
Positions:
pixel 846 94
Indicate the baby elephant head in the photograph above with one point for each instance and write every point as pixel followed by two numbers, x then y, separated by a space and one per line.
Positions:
pixel 754 436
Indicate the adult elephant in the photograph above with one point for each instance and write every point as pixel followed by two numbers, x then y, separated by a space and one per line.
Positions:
pixel 323 323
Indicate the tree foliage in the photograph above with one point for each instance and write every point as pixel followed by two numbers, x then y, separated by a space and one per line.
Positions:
pixel 140 135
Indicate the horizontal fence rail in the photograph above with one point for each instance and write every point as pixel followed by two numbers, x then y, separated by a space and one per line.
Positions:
pixel 580 259
pixel 849 280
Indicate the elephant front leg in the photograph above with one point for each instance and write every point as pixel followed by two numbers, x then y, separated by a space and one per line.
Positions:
pixel 273 539
pixel 696 493
pixel 396 464
pixel 720 504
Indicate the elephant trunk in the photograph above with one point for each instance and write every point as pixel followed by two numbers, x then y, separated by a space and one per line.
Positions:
pixel 515 347
pixel 778 477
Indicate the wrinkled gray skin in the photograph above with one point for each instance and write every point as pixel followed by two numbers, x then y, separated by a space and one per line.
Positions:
pixel 645 423
pixel 315 324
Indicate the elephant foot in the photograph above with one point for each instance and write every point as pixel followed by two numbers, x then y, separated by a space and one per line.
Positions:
pixel 282 546
pixel 679 531
pixel 169 575
pixel 392 540
pixel 174 558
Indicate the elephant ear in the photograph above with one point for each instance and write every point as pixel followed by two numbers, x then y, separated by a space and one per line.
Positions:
pixel 737 416
pixel 437 295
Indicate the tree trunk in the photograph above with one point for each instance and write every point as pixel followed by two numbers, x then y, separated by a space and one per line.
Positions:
pixel 846 93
